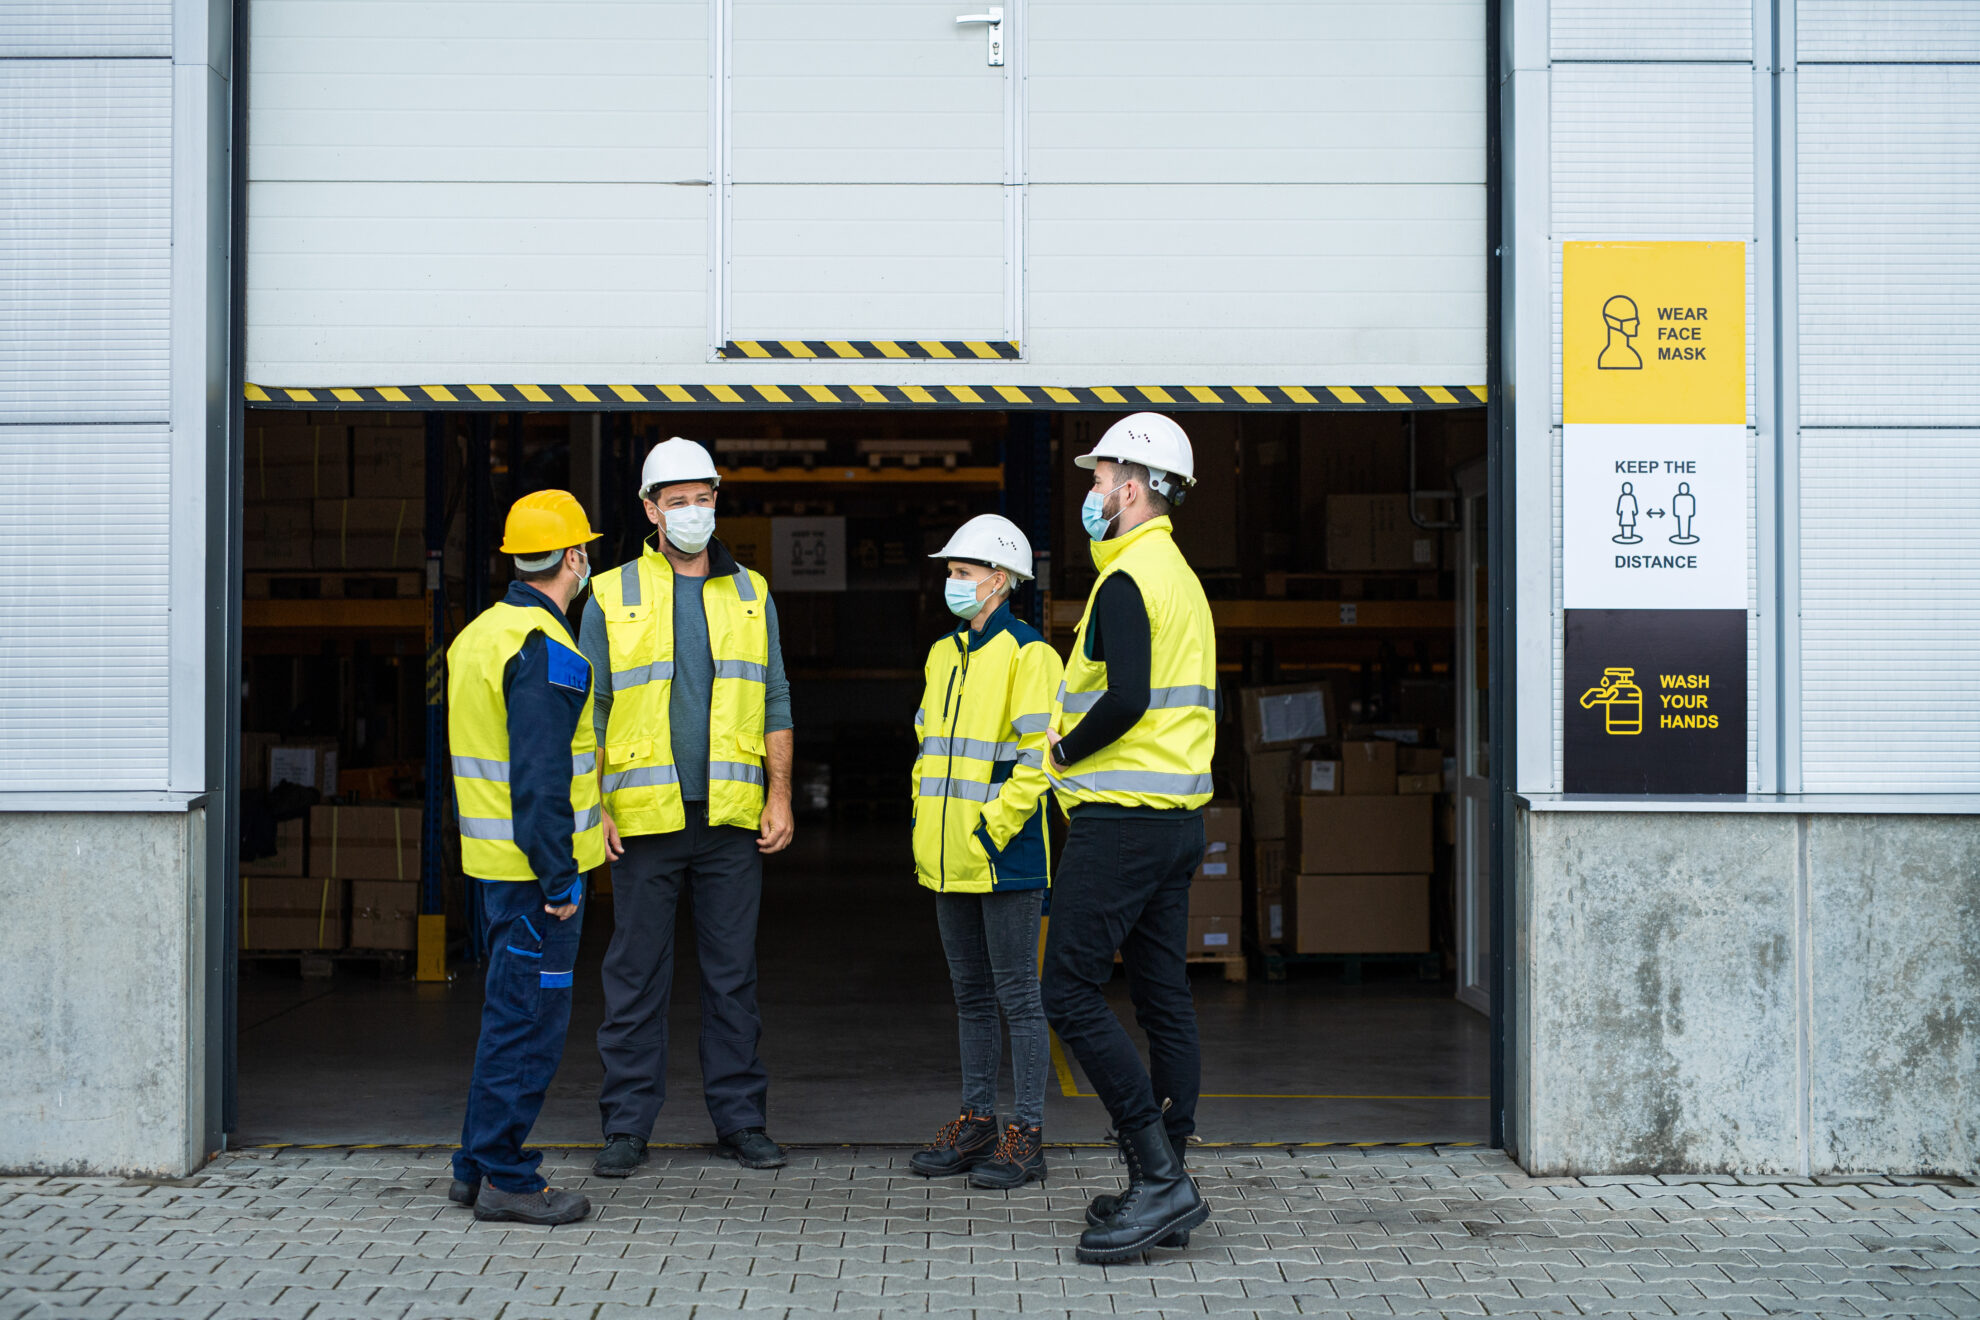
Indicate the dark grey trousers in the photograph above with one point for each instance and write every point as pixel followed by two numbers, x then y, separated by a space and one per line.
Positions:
pixel 721 869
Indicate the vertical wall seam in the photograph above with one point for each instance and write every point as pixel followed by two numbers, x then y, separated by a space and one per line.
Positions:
pixel 1804 1003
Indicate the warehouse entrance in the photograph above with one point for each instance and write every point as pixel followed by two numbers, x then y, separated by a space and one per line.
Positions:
pixel 1331 918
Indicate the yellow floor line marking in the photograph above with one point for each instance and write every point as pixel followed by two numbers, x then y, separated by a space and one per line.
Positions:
pixel 1059 1065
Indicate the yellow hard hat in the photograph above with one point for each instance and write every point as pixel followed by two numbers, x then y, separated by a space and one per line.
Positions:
pixel 543 521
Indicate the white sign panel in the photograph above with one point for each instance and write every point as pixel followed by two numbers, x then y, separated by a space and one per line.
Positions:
pixel 1653 516
pixel 807 554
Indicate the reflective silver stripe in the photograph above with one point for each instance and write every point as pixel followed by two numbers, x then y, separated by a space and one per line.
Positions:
pixel 966 789
pixel 589 818
pixel 645 776
pixel 481 767
pixel 1135 781
pixel 1031 756
pixel 976 748
pixel 1023 724
pixel 921 716
pixel 737 771
pixel 1080 702
pixel 744 587
pixel 487 827
pixel 748 670
pixel 638 674
pixel 629 584
pixel 1173 698
pixel 584 763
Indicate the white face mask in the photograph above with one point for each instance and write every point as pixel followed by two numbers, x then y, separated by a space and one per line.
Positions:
pixel 690 527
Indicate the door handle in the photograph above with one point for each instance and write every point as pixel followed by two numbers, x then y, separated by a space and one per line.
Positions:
pixel 993 27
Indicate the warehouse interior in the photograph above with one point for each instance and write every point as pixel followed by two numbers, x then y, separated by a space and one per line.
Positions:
pixel 1341 996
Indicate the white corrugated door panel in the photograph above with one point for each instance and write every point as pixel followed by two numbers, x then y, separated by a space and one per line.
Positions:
pixel 408 283
pixel 85 264
pixel 460 90
pixel 86 28
pixel 1872 31
pixel 83 682
pixel 1890 611
pixel 1123 91
pixel 1889 245
pixel 1677 30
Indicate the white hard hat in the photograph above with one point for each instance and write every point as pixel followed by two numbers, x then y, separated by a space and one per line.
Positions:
pixel 1154 441
pixel 990 539
pixel 676 460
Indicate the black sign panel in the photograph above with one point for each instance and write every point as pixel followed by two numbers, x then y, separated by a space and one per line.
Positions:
pixel 1655 701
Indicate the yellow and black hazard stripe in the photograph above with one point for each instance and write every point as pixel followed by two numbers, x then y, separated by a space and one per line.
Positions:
pixel 916 350
pixel 758 398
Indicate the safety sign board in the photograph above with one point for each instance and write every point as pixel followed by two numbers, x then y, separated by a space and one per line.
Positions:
pixel 1653 332
pixel 1656 701
pixel 1653 517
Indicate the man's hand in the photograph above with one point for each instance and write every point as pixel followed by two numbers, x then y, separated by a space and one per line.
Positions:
pixel 776 827
pixel 614 849
pixel 564 913
pixel 1052 746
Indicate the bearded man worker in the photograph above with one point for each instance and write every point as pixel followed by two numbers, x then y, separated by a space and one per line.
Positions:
pixel 1133 730
pixel 694 722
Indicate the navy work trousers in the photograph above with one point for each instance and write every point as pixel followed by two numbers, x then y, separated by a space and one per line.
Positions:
pixel 722 872
pixel 525 1011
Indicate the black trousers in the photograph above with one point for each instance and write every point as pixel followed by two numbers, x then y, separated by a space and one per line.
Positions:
pixel 722 870
pixel 1123 883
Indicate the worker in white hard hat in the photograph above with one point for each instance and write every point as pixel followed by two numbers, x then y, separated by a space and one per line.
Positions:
pixel 694 726
pixel 981 843
pixel 1132 734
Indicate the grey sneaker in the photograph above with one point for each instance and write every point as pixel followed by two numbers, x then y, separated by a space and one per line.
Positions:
pixel 622 1154
pixel 548 1206
pixel 751 1149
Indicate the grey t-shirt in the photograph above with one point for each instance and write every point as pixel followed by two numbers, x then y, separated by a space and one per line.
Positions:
pixel 693 684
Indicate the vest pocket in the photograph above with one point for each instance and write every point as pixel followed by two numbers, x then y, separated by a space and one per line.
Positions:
pixel 752 744
pixel 628 753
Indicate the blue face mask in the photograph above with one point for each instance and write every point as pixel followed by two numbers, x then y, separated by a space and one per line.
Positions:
pixel 960 593
pixel 1093 513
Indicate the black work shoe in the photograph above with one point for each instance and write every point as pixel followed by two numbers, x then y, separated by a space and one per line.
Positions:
pixel 965 1143
pixel 1103 1206
pixel 1159 1203
pixel 751 1149
pixel 548 1206
pixel 622 1154
pixel 463 1193
pixel 1020 1159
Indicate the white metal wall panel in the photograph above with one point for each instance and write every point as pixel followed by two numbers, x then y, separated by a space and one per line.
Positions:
pixel 85 28
pixel 1298 91
pixel 1890 610
pixel 83 658
pixel 469 91
pixel 1651 151
pixel 1872 31
pixel 863 91
pixel 1679 30
pixel 1889 245
pixel 1262 284
pixel 85 240
pixel 395 283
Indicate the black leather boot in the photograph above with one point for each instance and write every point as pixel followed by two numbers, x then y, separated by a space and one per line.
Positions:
pixel 1100 1207
pixel 959 1147
pixel 1160 1201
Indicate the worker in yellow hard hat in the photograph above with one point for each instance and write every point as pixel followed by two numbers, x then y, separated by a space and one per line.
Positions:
pixel 526 789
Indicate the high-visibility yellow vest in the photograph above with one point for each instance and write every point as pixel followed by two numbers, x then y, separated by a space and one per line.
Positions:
pixel 478 739
pixel 642 785
pixel 979 782
pixel 1164 760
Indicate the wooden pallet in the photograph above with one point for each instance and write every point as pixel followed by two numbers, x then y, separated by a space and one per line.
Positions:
pixel 321 964
pixel 379 584
pixel 1429 966
pixel 1235 966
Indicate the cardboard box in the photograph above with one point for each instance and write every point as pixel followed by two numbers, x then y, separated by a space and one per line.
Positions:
pixel 254 759
pixel 1359 913
pixel 278 534
pixel 1419 760
pixel 371 533
pixel 1368 769
pixel 1286 714
pixel 1319 776
pixel 364 843
pixel 1216 898
pixel 1409 735
pixel 292 913
pixel 1207 534
pixel 293 461
pixel 1359 835
pixel 1373 533
pixel 1267 787
pixel 1420 783
pixel 1217 935
pixel 312 763
pixel 384 914
pixel 388 462
pixel 1269 913
pixel 1223 840
pixel 291 854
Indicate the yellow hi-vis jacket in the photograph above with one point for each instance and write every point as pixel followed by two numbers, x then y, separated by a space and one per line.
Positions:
pixel 642 786
pixel 478 739
pixel 1164 760
pixel 979 781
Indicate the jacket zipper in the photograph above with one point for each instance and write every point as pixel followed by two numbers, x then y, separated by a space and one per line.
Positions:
pixel 949 775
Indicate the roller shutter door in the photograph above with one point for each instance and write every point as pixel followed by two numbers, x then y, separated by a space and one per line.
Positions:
pixel 1878 31
pixel 1682 30
pixel 100 29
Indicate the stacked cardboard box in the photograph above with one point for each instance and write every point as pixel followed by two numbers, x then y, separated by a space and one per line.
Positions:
pixel 375 851
pixel 291 852
pixel 1373 534
pixel 1284 726
pixel 292 912
pixel 287 461
pixel 1363 881
pixel 370 533
pixel 1216 892
pixel 388 462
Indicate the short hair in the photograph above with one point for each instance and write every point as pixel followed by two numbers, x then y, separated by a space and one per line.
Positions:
pixel 1158 503
pixel 544 572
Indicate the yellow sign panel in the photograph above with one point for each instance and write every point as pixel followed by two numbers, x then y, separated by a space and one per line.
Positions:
pixel 1653 332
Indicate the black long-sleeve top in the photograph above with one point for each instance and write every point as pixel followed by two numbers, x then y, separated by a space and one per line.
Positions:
pixel 1117 636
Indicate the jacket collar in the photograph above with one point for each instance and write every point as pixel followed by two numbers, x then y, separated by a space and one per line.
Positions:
pixel 524 595
pixel 1106 552
pixel 720 562
pixel 999 621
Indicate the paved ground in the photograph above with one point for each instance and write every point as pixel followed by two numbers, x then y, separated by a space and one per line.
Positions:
pixel 844 1232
